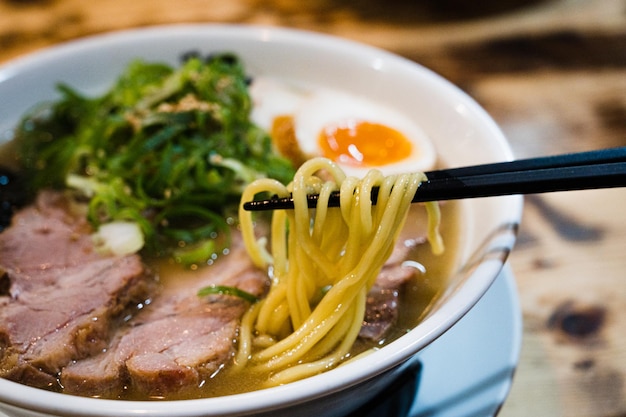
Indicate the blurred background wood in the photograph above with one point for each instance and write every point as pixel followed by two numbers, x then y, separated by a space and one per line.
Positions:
pixel 553 75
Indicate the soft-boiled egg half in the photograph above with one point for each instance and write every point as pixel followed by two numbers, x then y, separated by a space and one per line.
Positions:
pixel 357 133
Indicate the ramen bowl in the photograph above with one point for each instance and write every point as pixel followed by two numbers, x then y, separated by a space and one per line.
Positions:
pixel 461 131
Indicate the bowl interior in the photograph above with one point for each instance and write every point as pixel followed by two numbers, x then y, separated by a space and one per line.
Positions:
pixel 462 132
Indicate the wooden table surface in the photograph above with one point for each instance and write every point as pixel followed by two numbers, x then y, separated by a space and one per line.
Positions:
pixel 551 73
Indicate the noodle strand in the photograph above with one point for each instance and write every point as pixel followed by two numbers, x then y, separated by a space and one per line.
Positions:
pixel 323 263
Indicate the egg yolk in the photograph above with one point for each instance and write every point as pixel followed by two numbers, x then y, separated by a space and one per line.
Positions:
pixel 361 143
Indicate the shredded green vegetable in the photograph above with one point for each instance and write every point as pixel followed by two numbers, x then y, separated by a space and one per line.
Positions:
pixel 226 290
pixel 169 149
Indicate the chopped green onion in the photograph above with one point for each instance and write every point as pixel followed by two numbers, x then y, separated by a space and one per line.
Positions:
pixel 226 290
pixel 170 149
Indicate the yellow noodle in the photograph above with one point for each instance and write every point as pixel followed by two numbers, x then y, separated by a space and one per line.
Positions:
pixel 297 372
pixel 331 340
pixel 279 243
pixel 274 310
pixel 263 341
pixel 434 218
pixel 244 350
pixel 321 212
pixel 245 217
pixel 297 294
pixel 344 333
pixel 307 329
pixel 304 337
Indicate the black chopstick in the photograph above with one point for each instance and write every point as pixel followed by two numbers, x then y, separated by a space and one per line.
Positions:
pixel 576 171
pixel 601 156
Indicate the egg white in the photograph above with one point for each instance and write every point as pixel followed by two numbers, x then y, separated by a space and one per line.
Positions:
pixel 318 108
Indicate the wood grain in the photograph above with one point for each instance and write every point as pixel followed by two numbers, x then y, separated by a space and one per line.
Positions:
pixel 551 73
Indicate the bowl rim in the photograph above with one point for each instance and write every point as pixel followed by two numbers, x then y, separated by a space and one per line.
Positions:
pixel 18 395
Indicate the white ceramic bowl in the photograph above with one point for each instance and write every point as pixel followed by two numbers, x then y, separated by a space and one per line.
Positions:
pixel 461 130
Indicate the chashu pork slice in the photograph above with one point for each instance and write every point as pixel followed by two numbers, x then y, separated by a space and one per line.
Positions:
pixel 179 340
pixel 62 299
